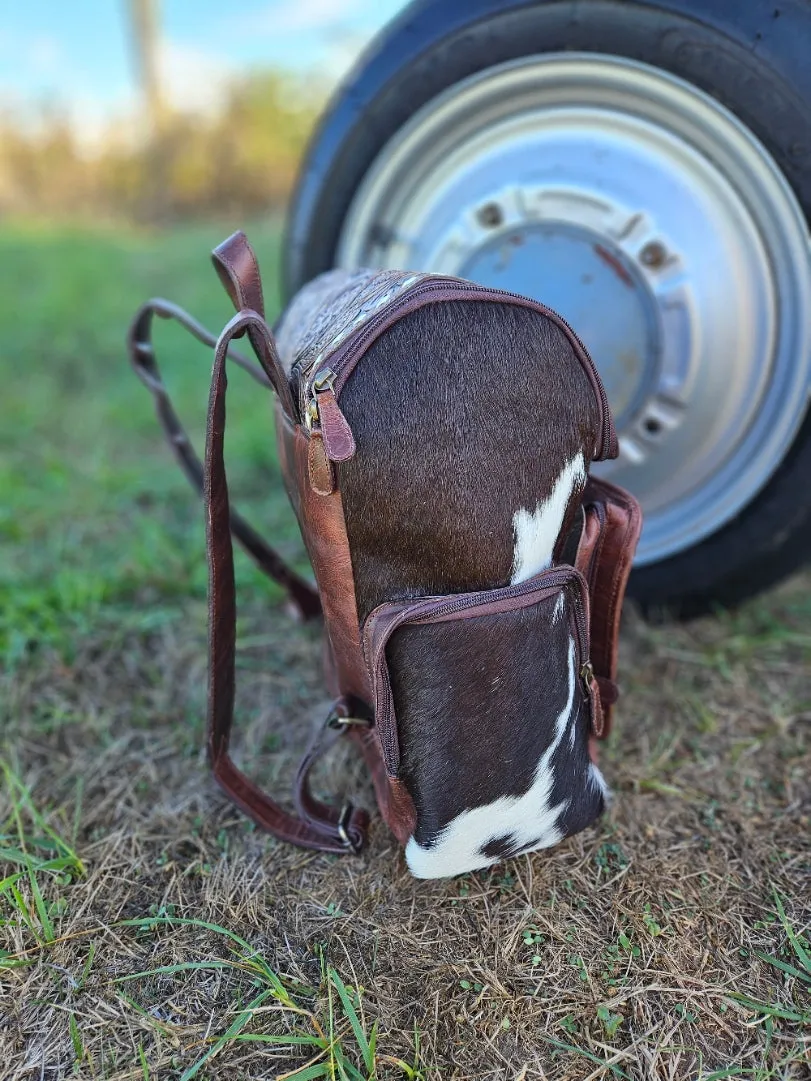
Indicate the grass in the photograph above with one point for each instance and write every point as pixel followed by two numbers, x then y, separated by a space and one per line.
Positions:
pixel 148 931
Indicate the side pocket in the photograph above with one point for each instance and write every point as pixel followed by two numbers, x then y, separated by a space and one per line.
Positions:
pixel 483 706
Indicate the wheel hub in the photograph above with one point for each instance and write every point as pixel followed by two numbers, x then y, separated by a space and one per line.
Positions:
pixel 656 224
pixel 590 281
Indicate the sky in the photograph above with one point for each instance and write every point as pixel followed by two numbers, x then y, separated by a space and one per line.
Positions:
pixel 77 54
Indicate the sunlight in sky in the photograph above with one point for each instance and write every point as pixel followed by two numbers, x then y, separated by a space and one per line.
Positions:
pixel 77 56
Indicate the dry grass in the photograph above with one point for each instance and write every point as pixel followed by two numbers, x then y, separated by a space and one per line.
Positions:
pixel 650 947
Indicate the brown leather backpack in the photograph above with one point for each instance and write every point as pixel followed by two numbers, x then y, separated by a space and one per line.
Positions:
pixel 410 410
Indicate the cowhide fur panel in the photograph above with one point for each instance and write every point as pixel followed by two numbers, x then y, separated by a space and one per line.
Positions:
pixel 515 758
pixel 473 423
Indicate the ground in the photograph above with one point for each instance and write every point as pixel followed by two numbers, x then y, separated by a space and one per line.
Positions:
pixel 148 931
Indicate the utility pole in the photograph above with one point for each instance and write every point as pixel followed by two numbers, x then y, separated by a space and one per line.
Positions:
pixel 144 19
pixel 146 38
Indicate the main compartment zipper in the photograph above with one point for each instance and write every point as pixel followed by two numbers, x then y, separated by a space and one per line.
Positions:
pixel 323 385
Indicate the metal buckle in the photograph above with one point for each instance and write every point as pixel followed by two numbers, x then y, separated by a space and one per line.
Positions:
pixel 343 822
pixel 335 720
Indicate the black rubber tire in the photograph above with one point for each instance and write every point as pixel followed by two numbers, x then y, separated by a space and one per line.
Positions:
pixel 752 55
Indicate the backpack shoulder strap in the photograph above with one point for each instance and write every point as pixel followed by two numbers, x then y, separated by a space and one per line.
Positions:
pixel 319 827
pixel 304 598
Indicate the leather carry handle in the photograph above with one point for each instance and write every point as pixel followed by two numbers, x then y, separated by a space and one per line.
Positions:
pixel 322 827
pixel 304 598
pixel 238 270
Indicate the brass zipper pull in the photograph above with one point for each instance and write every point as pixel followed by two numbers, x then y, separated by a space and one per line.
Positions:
pixel 587 674
pixel 323 410
pixel 593 691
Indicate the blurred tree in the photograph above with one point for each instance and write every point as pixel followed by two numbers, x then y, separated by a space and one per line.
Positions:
pixel 239 161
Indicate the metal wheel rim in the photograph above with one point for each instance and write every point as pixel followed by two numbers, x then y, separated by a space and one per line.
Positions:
pixel 686 204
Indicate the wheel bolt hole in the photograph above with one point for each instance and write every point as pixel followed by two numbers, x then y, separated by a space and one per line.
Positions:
pixel 490 215
pixel 652 426
pixel 653 255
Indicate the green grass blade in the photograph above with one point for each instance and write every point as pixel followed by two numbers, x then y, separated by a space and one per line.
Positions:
pixel 185 966
pixel 373 1042
pixel 308 1073
pixel 142 1060
pixel 410 1072
pixel 253 957
pixel 23 799
pixel 44 919
pixel 7 961
pixel 783 966
pixel 75 1038
pixel 91 953
pixel 587 1054
pixel 284 1041
pixel 25 859
pixel 354 1020
pixel 22 908
pixel 796 945
pixel 768 1010
pixel 236 1025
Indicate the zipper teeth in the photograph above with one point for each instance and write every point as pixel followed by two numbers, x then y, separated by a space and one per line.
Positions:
pixel 581 628
pixel 556 579
pixel 339 365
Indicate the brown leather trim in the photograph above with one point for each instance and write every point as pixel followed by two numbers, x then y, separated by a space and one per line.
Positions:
pixel 393 798
pixel 321 518
pixel 605 556
pixel 238 269
pixel 344 667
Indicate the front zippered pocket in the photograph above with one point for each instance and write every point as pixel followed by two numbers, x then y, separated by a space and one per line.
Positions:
pixel 564 584
pixel 323 379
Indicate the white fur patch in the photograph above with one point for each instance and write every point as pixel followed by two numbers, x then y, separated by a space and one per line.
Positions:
pixel 599 781
pixel 536 531
pixel 557 611
pixel 528 818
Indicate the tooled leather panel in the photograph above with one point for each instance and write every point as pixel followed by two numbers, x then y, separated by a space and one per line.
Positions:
pixel 323 314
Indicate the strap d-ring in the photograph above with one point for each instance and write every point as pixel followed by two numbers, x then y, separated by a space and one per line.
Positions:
pixel 342 825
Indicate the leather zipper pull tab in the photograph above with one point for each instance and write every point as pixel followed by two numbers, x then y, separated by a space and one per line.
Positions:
pixel 339 442
pixel 319 467
pixel 593 692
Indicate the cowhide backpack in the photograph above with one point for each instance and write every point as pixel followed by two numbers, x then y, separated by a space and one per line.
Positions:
pixel 435 438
